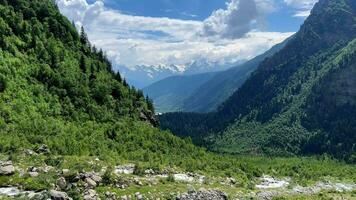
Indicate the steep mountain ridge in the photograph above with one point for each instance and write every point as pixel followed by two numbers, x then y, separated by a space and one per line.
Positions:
pixel 58 90
pixel 268 113
pixel 210 95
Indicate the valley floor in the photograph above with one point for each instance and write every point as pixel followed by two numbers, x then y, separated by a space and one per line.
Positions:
pixel 31 175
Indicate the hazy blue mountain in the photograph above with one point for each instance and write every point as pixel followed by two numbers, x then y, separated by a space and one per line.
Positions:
pixel 202 92
pixel 170 94
pixel 142 76
pixel 218 89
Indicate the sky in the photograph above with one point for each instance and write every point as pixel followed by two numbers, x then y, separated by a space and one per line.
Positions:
pixel 179 32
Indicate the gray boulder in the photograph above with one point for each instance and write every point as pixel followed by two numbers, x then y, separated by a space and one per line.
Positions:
pixel 57 195
pixel 6 168
pixel 203 194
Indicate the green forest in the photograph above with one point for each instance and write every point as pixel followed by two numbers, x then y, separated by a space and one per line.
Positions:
pixel 64 108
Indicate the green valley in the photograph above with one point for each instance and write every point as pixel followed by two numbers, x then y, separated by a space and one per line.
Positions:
pixel 71 127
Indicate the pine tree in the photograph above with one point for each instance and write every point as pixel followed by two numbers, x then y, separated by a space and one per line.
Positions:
pixel 82 64
pixel 84 37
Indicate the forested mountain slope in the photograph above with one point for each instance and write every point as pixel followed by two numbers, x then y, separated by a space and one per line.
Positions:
pixel 209 96
pixel 298 100
pixel 57 89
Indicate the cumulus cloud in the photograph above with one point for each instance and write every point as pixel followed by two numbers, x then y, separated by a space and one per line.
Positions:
pixel 238 19
pixel 138 40
pixel 303 7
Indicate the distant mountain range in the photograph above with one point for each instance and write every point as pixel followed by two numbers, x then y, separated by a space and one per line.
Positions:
pixel 300 101
pixel 203 92
pixel 142 76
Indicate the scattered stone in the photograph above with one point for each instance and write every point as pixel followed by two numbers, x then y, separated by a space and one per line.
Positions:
pixel 57 195
pixel 125 169
pixel 267 195
pixel 150 172
pixel 231 181
pixel 124 197
pixel 65 172
pixel 62 183
pixel 10 191
pixel 46 169
pixel 91 183
pixel 14 192
pixel 43 149
pixel 110 195
pixel 138 182
pixel 34 174
pixel 29 152
pixel 6 168
pixel 268 182
pixel 91 195
pixel 96 178
pixel 203 195
pixel 138 196
pixel 183 178
pixel 33 171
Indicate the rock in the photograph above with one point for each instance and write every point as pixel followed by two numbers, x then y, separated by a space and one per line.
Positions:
pixel 268 182
pixel 91 183
pixel 124 197
pixel 203 195
pixel 57 195
pixel 231 181
pixel 43 149
pixel 138 196
pixel 96 178
pixel 110 196
pixel 125 169
pixel 183 178
pixel 138 182
pixel 38 196
pixel 150 172
pixel 33 174
pixel 65 172
pixel 33 171
pixel 6 168
pixel 10 191
pixel 91 195
pixel 62 183
pixel 267 195
pixel 46 169
pixel 29 152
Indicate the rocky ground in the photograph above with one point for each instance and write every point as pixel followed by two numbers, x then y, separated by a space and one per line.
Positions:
pixel 126 182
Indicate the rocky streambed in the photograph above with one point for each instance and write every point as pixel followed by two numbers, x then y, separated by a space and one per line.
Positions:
pixel 199 187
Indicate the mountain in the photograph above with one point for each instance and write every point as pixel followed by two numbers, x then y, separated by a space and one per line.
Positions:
pixel 71 128
pixel 58 91
pixel 143 76
pixel 170 94
pixel 203 92
pixel 299 101
pixel 218 89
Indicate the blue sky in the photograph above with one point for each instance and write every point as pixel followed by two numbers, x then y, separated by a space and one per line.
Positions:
pixel 180 32
pixel 283 20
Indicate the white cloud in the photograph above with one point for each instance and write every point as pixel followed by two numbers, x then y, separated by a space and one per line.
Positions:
pixel 303 7
pixel 238 19
pixel 137 40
